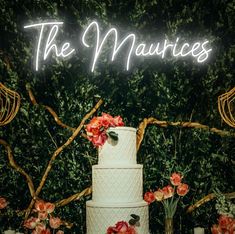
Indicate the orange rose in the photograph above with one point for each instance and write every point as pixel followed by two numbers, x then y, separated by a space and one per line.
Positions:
pixel 149 197
pixel 176 179
pixel 167 191
pixel 55 222
pixel 3 203
pixel 182 189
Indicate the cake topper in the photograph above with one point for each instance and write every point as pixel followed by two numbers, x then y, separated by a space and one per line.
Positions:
pixel 98 129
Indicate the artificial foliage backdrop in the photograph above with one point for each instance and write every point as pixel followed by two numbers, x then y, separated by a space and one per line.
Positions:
pixel 171 90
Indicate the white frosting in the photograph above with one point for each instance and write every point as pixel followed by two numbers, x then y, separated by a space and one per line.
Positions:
pixel 124 152
pixel 100 216
pixel 115 185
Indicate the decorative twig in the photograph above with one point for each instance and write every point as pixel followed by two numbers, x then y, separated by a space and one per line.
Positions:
pixel 151 120
pixel 57 152
pixel 17 167
pixel 10 104
pixel 74 197
pixel 224 106
pixel 208 198
pixel 51 111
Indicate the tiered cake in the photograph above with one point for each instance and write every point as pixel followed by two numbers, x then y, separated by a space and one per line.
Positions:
pixel 117 184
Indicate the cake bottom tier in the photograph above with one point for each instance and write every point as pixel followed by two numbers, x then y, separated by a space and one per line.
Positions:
pixel 100 216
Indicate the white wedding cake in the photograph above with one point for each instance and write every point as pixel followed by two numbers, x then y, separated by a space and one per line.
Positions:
pixel 117 186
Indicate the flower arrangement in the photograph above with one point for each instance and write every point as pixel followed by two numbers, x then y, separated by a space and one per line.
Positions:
pixel 166 194
pixel 38 224
pixel 226 210
pixel 97 129
pixel 226 225
pixel 123 227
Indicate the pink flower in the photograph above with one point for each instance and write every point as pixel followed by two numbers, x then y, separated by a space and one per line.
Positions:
pixel 182 189
pixel 50 207
pixel 31 223
pixel 216 229
pixel 59 232
pixel 110 230
pixel 224 222
pixel 131 230
pixel 46 231
pixel 99 140
pixel 121 226
pixel 167 191
pixel 149 197
pixel 176 179
pixel 107 120
pixel 231 227
pixel 118 121
pixel 94 126
pixel 40 206
pixel 3 203
pixel 42 215
pixel 159 195
pixel 55 222
pixel 96 129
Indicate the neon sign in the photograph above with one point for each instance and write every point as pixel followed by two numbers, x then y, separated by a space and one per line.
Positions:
pixel 49 31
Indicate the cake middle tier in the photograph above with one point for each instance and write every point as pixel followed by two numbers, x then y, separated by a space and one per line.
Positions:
pixel 117 184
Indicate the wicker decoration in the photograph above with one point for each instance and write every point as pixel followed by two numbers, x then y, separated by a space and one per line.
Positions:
pixel 225 107
pixel 9 104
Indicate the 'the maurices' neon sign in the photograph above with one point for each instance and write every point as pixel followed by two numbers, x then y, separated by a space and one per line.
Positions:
pixel 48 33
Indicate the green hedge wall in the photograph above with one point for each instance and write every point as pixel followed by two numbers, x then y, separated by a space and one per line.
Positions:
pixel 177 90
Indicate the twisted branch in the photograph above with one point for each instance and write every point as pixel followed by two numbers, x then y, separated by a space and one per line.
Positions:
pixel 10 104
pixel 208 198
pixel 151 120
pixel 224 106
pixel 57 152
pixel 74 197
pixel 17 167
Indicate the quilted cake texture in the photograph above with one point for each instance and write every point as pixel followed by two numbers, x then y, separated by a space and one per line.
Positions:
pixel 117 186
pixel 124 152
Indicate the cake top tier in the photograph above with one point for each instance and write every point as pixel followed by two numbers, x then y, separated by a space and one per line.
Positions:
pixel 121 153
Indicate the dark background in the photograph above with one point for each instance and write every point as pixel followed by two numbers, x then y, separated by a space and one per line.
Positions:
pixel 171 90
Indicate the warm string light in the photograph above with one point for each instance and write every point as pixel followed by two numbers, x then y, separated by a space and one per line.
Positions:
pixel 198 50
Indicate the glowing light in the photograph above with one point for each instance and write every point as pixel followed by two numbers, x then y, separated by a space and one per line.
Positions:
pixel 99 45
pixel 65 49
pixel 196 50
pixel 94 40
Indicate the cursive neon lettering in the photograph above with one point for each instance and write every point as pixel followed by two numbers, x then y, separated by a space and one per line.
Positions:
pixel 65 49
pixel 94 40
